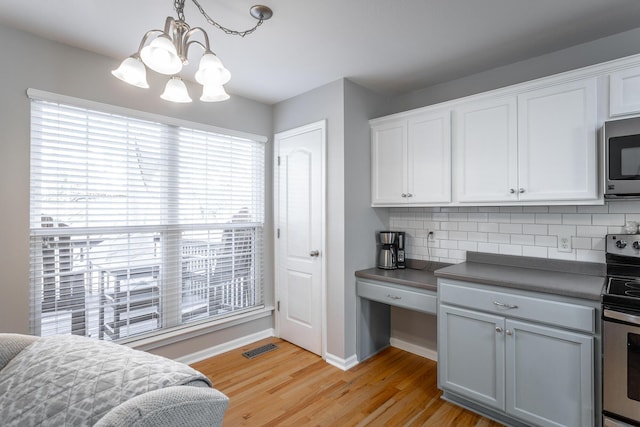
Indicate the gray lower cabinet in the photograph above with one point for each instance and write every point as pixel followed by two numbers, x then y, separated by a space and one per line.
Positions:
pixel 494 353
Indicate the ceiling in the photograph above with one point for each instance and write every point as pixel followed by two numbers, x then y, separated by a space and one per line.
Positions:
pixel 389 46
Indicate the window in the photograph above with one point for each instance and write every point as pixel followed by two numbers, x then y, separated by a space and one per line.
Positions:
pixel 138 226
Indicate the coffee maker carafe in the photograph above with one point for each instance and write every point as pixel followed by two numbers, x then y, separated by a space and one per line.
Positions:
pixel 387 256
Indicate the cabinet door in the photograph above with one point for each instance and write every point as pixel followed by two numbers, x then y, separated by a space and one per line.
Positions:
pixel 557 144
pixel 388 168
pixel 485 151
pixel 429 158
pixel 624 92
pixel 549 375
pixel 471 355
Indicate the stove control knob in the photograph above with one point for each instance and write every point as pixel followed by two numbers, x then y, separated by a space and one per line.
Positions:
pixel 636 245
pixel 621 244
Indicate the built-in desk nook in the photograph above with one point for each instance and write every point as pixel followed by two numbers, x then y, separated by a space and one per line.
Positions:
pixel 377 290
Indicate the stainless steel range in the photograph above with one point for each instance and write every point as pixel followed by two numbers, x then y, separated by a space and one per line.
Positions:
pixel 621 332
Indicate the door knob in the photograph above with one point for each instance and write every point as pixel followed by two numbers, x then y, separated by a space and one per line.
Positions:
pixel 314 253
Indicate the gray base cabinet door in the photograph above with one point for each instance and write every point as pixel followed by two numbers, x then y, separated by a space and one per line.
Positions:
pixel 537 374
pixel 549 379
pixel 472 348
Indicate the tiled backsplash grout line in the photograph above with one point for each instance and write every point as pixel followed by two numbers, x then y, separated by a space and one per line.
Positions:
pixel 511 230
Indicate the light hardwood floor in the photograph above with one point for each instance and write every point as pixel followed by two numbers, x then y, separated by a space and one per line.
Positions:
pixel 292 387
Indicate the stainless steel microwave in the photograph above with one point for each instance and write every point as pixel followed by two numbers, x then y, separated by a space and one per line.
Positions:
pixel 622 158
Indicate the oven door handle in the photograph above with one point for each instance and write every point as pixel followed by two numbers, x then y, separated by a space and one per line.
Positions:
pixel 624 317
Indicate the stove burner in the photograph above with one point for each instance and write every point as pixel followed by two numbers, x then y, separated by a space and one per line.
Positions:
pixel 633 285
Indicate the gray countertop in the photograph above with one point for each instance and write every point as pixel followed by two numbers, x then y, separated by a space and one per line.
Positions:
pixel 567 278
pixel 420 276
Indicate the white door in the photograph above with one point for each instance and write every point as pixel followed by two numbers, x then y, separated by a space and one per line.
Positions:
pixel 429 157
pixel 299 243
pixel 557 144
pixel 486 151
pixel 388 167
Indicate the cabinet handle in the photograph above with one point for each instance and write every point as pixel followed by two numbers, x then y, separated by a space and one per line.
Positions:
pixel 409 194
pixel 521 190
pixel 393 296
pixel 509 332
pixel 403 195
pixel 499 329
pixel 503 305
pixel 512 191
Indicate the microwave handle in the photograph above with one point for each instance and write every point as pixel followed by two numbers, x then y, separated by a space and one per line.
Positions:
pixel 623 317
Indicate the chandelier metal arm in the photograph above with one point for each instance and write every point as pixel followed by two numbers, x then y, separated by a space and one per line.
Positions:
pixel 144 39
pixel 261 13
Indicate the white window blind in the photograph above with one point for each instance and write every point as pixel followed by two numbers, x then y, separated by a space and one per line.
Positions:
pixel 138 226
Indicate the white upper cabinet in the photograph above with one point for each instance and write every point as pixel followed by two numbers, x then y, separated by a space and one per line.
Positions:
pixel 411 160
pixel 537 146
pixel 388 162
pixel 486 151
pixel 557 142
pixel 624 92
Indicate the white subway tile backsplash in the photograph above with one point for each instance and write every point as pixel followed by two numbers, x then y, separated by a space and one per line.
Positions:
pixel 577 219
pixel 591 231
pixel 524 240
pixel 511 250
pixel 581 242
pixel 608 219
pixel 488 227
pixel 499 238
pixel 556 254
pixel 626 206
pixel 548 219
pixel 492 248
pixel 511 228
pixel 534 229
pixel 557 230
pixel 479 217
pixel 534 251
pixel 528 231
pixel 535 209
pixel 590 256
pixel 499 217
pixel 523 218
pixel 548 241
pixel 563 209
pixel 478 237
pixel 468 226
pixel 458 235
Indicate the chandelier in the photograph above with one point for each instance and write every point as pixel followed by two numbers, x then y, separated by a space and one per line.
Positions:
pixel 166 52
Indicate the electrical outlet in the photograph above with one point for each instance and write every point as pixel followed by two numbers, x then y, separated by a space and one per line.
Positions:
pixel 564 243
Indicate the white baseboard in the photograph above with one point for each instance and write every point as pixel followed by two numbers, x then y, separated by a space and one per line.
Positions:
pixel 340 363
pixel 415 349
pixel 227 346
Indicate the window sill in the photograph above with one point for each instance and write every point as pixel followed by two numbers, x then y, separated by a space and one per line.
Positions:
pixel 186 332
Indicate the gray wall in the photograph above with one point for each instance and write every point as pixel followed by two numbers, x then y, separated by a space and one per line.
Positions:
pixel 41 64
pixel 351 223
pixel 326 102
pixel 361 220
pixel 601 50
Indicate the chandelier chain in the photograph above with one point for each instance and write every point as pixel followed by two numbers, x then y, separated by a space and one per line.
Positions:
pixel 179 6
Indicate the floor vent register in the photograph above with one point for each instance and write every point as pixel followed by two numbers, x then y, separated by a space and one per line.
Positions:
pixel 260 350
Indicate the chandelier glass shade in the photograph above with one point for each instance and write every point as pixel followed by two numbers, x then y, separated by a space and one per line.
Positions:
pixel 166 52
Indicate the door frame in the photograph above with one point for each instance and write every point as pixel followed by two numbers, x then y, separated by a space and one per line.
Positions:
pixel 322 126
